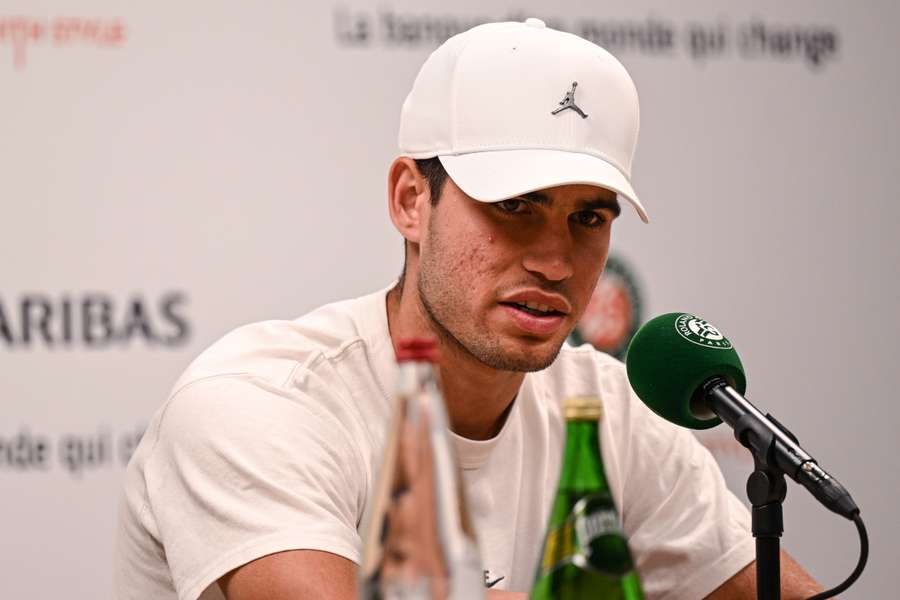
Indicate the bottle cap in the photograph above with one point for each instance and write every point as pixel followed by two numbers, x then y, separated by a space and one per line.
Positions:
pixel 583 408
pixel 417 349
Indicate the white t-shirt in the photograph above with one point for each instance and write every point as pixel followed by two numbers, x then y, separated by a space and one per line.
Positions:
pixel 271 439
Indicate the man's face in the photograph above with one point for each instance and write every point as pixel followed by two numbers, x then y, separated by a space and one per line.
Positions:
pixel 507 281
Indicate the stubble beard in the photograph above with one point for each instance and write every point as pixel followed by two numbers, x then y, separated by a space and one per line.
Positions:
pixel 454 324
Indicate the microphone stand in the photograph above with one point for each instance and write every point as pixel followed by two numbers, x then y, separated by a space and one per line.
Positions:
pixel 766 488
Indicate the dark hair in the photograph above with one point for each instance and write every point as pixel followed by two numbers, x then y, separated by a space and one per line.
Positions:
pixel 433 172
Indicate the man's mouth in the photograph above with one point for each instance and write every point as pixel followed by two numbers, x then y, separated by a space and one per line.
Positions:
pixel 534 308
pixel 534 318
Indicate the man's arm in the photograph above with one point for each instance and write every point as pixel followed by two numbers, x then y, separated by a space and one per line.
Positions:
pixel 292 575
pixel 796 584
pixel 302 575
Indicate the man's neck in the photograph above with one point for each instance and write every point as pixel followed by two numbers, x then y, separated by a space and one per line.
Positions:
pixel 478 397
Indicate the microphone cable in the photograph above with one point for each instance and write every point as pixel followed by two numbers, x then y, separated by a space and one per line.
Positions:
pixel 860 565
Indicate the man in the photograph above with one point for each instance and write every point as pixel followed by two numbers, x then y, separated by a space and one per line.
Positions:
pixel 254 478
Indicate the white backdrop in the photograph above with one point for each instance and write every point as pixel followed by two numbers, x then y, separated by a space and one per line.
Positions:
pixel 168 172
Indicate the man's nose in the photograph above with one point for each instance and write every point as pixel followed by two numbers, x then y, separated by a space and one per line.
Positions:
pixel 550 256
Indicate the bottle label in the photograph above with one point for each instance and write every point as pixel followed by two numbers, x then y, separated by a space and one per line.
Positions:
pixel 591 524
pixel 590 538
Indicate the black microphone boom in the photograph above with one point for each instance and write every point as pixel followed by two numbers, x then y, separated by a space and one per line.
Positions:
pixel 766 437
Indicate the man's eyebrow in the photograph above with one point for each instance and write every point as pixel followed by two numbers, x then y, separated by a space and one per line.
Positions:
pixel 587 204
pixel 608 203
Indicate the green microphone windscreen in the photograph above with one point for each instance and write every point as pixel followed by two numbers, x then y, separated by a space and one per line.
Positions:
pixel 671 356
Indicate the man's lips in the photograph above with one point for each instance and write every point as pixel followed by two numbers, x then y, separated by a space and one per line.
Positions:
pixel 541 324
pixel 539 300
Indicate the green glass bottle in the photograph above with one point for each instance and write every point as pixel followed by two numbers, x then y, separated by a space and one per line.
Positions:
pixel 585 553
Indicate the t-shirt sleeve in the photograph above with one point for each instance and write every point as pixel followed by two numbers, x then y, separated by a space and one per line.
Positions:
pixel 240 469
pixel 688 532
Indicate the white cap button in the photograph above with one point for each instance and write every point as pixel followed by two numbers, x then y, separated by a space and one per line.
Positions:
pixel 532 22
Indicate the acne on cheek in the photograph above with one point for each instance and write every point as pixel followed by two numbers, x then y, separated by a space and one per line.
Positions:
pixel 474 258
pixel 473 262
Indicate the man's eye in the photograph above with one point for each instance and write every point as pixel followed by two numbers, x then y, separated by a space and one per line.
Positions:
pixel 513 205
pixel 589 218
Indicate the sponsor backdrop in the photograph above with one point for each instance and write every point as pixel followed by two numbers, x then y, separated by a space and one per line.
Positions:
pixel 168 172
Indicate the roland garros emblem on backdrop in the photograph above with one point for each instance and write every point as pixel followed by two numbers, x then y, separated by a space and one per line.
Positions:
pixel 568 101
pixel 613 313
pixel 700 332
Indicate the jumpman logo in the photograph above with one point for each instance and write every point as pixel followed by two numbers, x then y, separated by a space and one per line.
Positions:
pixel 569 102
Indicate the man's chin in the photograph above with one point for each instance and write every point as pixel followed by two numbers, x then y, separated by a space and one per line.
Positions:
pixel 524 358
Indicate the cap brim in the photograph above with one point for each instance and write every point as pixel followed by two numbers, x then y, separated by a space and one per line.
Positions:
pixel 495 175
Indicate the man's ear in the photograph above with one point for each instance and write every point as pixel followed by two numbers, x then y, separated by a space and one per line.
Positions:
pixel 408 198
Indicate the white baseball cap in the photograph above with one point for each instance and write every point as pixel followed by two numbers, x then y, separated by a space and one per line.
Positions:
pixel 511 108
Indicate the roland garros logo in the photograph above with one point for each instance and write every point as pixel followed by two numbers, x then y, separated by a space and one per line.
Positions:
pixel 700 332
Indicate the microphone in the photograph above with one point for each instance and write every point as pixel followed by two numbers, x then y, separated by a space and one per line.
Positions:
pixel 688 373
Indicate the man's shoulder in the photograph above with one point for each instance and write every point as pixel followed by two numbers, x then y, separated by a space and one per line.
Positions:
pixel 300 375
pixel 273 350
